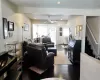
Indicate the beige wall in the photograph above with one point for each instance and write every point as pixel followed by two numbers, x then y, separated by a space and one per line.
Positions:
pixel 21 21
pixel 94 25
pixel 9 11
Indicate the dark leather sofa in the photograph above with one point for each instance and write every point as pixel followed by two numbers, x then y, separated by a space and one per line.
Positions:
pixel 38 56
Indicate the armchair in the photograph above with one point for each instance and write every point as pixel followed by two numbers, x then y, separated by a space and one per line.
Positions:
pixel 38 57
pixel 47 42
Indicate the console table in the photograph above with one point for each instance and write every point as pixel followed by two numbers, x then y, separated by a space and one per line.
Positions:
pixel 7 71
pixel 14 44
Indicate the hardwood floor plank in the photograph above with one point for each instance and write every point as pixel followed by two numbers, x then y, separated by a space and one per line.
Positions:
pixel 67 72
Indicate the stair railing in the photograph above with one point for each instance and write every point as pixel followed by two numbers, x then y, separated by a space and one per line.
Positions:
pixel 94 43
pixel 92 33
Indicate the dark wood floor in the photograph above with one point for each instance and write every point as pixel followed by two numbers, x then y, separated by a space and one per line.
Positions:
pixel 67 72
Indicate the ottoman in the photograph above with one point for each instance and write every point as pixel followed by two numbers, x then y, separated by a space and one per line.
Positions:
pixel 53 49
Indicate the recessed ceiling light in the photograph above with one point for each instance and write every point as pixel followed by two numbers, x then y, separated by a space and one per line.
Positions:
pixel 61 19
pixel 58 2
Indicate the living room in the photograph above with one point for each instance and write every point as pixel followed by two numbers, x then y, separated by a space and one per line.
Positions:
pixel 55 35
pixel 40 41
pixel 20 33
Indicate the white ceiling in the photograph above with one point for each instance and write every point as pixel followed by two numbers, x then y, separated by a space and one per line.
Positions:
pixel 78 4
pixel 46 16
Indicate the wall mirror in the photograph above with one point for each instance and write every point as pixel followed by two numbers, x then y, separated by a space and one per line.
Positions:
pixel 5 28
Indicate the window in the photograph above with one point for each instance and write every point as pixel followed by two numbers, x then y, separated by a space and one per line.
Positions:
pixel 46 30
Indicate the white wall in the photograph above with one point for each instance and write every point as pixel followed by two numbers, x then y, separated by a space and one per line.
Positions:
pixel 61 39
pixel 9 11
pixel 90 68
pixel 73 22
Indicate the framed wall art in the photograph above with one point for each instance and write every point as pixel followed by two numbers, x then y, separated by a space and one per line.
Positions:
pixel 26 27
pixel 10 26
pixel 60 29
pixel 60 33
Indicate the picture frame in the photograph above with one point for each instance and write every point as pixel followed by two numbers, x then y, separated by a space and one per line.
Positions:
pixel 26 27
pixel 60 33
pixel 78 28
pixel 60 29
pixel 5 28
pixel 10 26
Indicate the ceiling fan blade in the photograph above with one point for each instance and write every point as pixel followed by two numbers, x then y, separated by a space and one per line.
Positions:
pixel 49 19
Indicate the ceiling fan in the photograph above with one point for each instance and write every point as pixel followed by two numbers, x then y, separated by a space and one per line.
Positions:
pixel 51 21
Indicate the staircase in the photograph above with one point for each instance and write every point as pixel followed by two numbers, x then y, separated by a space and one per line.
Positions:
pixel 88 48
pixel 91 44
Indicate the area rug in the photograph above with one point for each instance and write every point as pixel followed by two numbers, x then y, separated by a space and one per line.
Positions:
pixel 61 58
